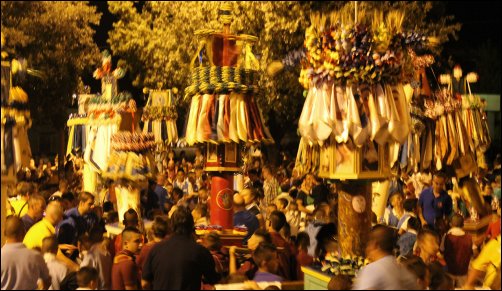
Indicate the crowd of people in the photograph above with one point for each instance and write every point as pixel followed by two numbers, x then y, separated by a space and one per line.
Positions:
pixel 58 239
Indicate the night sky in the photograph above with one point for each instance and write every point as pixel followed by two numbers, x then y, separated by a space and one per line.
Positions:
pixel 481 22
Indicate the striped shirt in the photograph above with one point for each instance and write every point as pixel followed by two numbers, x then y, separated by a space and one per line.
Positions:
pixel 271 189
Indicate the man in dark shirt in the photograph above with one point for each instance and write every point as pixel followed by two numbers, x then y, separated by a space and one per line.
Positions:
pixel 244 217
pixel 179 263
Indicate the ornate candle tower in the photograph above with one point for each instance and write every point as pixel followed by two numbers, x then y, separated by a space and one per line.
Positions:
pixel 223 110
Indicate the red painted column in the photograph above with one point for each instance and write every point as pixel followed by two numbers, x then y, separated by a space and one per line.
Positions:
pixel 221 212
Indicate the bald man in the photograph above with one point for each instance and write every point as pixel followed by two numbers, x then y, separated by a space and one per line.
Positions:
pixel 45 227
pixel 21 267
pixel 244 217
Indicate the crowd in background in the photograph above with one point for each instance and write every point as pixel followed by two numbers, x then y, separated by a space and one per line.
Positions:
pixel 56 238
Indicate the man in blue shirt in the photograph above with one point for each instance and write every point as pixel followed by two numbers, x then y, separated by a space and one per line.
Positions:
pixel 434 203
pixel 244 217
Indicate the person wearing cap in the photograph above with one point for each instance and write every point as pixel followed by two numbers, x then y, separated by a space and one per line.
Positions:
pixel 243 217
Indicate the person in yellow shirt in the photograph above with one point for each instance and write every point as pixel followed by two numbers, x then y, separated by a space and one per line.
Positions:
pixel 45 227
pixel 19 205
pixel 487 262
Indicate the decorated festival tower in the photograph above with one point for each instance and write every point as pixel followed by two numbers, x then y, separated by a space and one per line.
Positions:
pixel 356 116
pixel 223 110
pixel 107 134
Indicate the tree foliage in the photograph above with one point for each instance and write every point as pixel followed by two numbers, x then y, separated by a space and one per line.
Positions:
pixel 157 40
pixel 57 39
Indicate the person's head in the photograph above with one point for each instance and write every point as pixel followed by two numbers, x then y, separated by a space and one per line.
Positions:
pixel 414 223
pixel 169 187
pixel 340 282
pixel 410 205
pixel 131 239
pixel 428 242
pixel 108 206
pixel 396 200
pixel 180 175
pixel 238 202
pixel 212 241
pixel 302 241
pixel 85 202
pixel 131 218
pixel 381 242
pixel 24 189
pixel 265 257
pixel 68 200
pixel 177 194
pixel 182 221
pixel 293 207
pixel 488 189
pixel 417 267
pixel 438 182
pixel 249 195
pixel 161 179
pixel 159 227
pixel 457 221
pixel 36 206
pixel 260 235
pixel 84 243
pixel 87 277
pixel 282 204
pixel 276 221
pixel 54 212
pixel 199 211
pixel 14 229
pixel 50 245
pixel 439 279
pixel 253 175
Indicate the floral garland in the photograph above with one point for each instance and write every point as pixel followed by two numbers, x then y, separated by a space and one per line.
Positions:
pixel 135 142
pixel 357 53
pixel 159 112
pixel 344 266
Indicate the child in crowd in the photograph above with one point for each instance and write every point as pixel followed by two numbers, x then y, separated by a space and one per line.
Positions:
pixel 410 210
pixel 267 260
pixel 87 278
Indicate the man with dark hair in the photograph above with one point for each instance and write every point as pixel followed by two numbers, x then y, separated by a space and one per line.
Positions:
pixel 179 262
pixel 124 270
pixel 68 200
pixel 183 183
pixel 383 273
pixel 287 264
pixel 271 188
pixel 78 221
pixel 131 219
pixel 36 207
pixel 21 267
pixel 99 257
pixel 158 232
pixel 265 256
pixel 87 278
pixel 410 210
pixel 434 202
